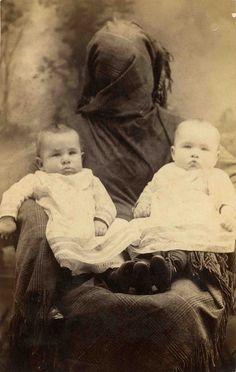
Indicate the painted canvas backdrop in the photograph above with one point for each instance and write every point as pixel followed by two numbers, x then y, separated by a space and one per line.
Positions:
pixel 43 44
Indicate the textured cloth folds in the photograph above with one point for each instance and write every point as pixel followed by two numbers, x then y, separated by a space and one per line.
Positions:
pixel 177 330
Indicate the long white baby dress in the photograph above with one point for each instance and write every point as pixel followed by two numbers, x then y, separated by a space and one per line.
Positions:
pixel 185 209
pixel 72 202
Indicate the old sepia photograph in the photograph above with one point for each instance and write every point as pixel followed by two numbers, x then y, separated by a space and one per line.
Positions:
pixel 117 185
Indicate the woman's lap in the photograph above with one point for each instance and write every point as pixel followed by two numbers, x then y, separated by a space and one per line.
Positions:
pixel 165 330
pixel 36 267
pixel 104 330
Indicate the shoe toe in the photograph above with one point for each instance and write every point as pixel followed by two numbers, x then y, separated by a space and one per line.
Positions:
pixel 141 278
pixel 160 273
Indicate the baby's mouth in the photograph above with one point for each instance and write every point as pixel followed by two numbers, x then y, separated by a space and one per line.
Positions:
pixel 67 170
pixel 194 164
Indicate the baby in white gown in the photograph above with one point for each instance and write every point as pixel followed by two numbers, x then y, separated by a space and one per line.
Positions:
pixel 188 206
pixel 82 230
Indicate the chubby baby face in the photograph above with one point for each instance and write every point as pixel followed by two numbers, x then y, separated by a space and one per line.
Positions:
pixel 196 145
pixel 60 153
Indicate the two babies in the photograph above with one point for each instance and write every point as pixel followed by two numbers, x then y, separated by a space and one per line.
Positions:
pixel 79 208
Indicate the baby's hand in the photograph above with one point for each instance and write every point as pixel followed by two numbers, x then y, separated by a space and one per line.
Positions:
pixel 100 228
pixel 7 227
pixel 227 216
pixel 142 210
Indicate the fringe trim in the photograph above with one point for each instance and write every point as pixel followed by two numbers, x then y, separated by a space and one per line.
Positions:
pixel 212 268
pixel 202 360
pixel 205 356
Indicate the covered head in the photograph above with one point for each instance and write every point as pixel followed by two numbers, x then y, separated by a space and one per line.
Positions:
pixel 126 72
pixel 126 135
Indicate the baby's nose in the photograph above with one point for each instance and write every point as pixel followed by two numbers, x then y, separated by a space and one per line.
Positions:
pixel 194 155
pixel 65 159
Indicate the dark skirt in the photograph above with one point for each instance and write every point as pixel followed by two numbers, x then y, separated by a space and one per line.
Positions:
pixel 179 330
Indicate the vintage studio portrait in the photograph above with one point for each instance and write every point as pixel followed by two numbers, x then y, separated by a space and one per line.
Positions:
pixel 118 186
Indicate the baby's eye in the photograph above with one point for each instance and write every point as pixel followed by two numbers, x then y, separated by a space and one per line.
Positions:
pixel 187 146
pixel 72 152
pixel 56 154
pixel 204 148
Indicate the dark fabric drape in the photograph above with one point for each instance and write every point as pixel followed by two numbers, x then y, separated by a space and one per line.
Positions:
pixel 122 127
pixel 129 153
pixel 126 71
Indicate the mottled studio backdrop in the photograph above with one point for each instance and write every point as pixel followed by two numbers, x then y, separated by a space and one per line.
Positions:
pixel 42 56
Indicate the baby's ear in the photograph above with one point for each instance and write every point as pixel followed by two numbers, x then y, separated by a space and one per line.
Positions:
pixel 39 162
pixel 172 150
pixel 217 158
pixel 82 157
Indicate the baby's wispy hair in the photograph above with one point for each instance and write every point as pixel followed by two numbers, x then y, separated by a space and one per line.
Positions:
pixel 52 128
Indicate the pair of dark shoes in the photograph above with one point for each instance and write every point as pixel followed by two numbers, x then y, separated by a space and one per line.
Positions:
pixel 120 280
pixel 130 274
pixel 142 276
pixel 158 273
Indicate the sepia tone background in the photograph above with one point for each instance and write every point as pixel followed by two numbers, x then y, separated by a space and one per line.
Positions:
pixel 43 44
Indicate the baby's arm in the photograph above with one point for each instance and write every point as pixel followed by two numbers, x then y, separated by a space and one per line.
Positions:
pixel 105 210
pixel 11 202
pixel 228 217
pixel 143 205
pixel 100 227
pixel 142 209
pixel 225 198
pixel 7 226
